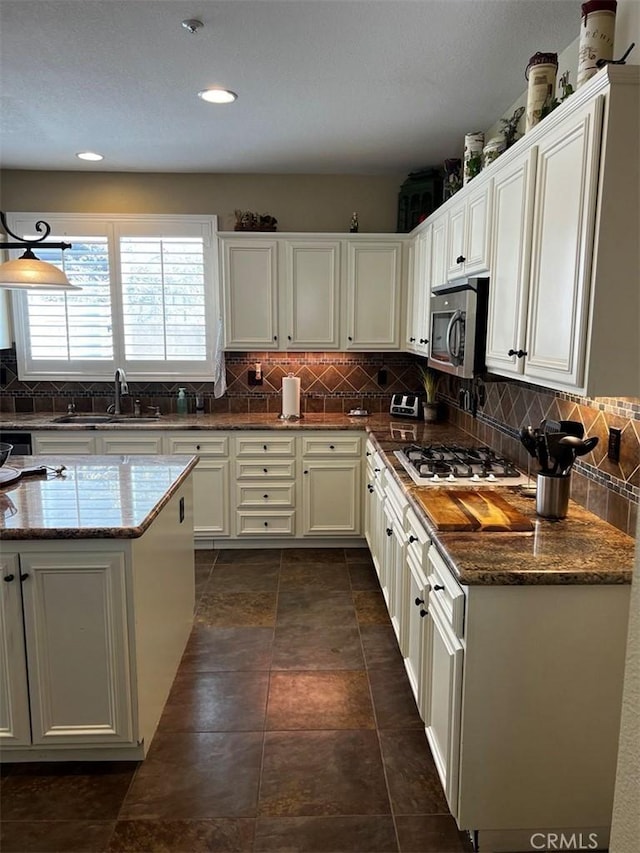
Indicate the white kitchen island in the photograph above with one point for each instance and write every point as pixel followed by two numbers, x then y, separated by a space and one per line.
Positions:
pixel 96 604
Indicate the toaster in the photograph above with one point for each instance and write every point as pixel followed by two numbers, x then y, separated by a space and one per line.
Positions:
pixel 405 405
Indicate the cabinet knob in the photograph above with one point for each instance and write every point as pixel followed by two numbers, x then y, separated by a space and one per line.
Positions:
pixel 460 259
pixel 389 531
pixel 377 470
pixel 332 447
pixel 419 601
pixel 24 576
pixel 265 497
pixel 437 587
pixel 511 352
pixel 521 353
pixel 305 472
pixel 265 470
pixel 197 447
pixel 412 340
pixel 370 487
pixel 369 453
pixel 266 524
pixel 9 578
pixel 424 613
pixel 349 338
pixel 413 539
pixel 288 337
pixel 264 446
pixel 275 337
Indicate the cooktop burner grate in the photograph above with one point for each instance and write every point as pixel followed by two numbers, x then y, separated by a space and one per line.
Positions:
pixel 451 463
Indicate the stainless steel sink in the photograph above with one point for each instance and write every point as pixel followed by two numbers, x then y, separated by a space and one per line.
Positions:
pixel 103 419
pixel 83 419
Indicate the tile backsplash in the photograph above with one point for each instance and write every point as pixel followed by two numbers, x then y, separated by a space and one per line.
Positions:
pixel 340 381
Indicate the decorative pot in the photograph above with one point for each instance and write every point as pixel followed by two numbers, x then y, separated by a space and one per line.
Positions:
pixel 430 411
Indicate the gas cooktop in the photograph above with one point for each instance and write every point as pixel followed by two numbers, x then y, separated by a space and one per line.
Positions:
pixel 440 464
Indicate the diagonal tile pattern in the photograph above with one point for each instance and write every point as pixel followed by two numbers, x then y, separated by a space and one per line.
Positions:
pixel 290 726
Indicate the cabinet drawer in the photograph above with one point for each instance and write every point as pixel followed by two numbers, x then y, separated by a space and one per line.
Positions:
pixel 265 523
pixel 265 469
pixel 418 540
pixel 349 445
pixel 446 590
pixel 52 444
pixel 204 445
pixel 395 497
pixel 265 445
pixel 267 495
pixel 126 443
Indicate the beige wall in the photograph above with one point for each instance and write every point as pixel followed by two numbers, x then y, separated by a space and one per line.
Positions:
pixel 299 202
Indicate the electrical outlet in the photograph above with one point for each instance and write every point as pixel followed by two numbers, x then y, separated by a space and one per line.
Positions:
pixel 382 376
pixel 613 448
pixel 253 379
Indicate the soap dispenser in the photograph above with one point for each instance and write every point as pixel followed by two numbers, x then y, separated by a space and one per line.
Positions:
pixel 181 404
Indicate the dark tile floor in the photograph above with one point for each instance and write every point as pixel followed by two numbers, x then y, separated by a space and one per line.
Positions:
pixel 290 727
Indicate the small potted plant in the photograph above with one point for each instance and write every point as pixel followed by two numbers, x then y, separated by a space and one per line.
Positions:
pixel 430 380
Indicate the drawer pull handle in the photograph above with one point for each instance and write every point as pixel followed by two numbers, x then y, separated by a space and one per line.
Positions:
pixel 419 601
pixel 265 470
pixel 437 587
pixel 9 578
pixel 424 613
pixel 389 531
pixel 413 539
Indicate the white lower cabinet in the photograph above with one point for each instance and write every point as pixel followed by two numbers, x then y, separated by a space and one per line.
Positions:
pixel 125 443
pixel 51 443
pixel 91 635
pixel 331 485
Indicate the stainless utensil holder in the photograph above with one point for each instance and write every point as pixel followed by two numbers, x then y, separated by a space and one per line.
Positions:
pixel 552 495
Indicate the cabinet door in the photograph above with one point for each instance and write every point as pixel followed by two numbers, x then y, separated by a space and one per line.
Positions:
pixel 15 729
pixel 468 234
pixel 439 251
pixel 418 303
pixel 331 503
pixel 456 247
pixel 416 612
pixel 373 295
pixel 211 498
pixel 250 277
pixel 511 248
pixel 54 443
pixel 312 295
pixel 442 674
pixel 75 619
pixel 562 247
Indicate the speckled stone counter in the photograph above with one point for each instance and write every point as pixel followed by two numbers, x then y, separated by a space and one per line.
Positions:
pixel 580 549
pixel 95 497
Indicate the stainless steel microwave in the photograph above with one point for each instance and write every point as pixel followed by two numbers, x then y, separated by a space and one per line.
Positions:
pixel 458 327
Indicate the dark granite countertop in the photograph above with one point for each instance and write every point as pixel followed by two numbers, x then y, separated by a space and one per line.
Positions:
pixel 95 497
pixel 580 549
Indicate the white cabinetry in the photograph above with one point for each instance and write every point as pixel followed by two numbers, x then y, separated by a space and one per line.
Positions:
pixel 439 250
pixel 374 499
pixel 417 594
pixel 373 294
pixel 77 647
pixel 91 638
pixel 250 293
pixel 211 516
pixel 395 509
pixel 468 231
pixel 265 461
pixel 123 443
pixel 51 443
pixel 511 251
pixel 331 485
pixel 419 293
pixel 312 303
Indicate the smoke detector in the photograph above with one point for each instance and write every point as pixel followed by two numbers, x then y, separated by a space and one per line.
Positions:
pixel 192 24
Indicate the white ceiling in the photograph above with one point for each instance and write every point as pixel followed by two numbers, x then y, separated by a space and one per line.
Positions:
pixel 325 86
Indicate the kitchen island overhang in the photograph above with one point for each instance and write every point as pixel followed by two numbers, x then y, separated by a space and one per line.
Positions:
pixel 97 604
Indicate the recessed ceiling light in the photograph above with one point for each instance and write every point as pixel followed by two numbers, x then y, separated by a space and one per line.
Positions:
pixel 90 155
pixel 217 96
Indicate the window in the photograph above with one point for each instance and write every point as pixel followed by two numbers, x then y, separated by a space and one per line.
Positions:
pixel 148 301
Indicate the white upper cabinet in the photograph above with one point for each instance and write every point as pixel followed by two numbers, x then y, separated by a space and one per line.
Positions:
pixel 250 293
pixel 439 250
pixel 511 247
pixel 373 294
pixel 468 232
pixel 312 295
pixel 418 293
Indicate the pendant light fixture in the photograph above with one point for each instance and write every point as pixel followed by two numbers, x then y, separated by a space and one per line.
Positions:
pixel 28 272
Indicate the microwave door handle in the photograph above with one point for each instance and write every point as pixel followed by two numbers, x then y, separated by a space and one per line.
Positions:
pixel 454 354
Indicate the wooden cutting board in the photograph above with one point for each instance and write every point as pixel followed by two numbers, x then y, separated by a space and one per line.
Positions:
pixel 465 509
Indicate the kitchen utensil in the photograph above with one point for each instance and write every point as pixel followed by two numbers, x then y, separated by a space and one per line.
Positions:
pixel 5 452
pixel 528 441
pixel 553 440
pixel 587 446
pixel 543 450
pixel 552 495
pixel 572 428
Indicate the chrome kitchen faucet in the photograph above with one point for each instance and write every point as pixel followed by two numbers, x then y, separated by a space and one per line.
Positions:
pixel 121 389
